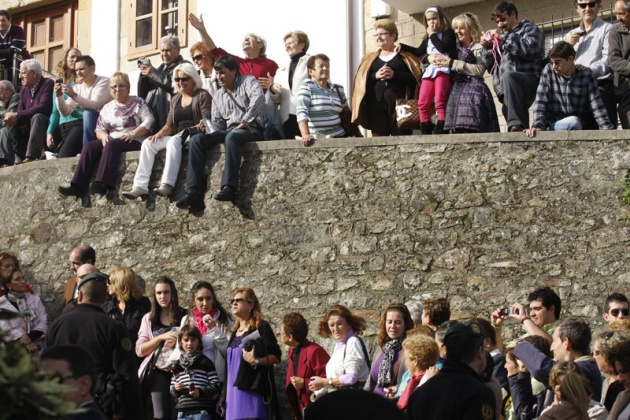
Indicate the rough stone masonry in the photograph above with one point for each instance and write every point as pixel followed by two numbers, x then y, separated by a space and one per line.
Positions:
pixel 481 219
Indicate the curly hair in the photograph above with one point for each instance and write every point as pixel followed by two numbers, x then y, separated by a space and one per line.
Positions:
pixel 357 323
pixel 437 309
pixel 124 284
pixel 423 348
pixel 62 70
pixel 382 329
pixel 574 388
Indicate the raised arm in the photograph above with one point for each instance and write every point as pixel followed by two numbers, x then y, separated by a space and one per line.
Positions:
pixel 197 23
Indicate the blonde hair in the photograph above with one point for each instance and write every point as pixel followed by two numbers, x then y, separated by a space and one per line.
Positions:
pixel 300 37
pixel 389 25
pixel 469 21
pixel 573 386
pixel 423 348
pixel 256 316
pixel 63 71
pixel 119 77
pixel 190 71
pixel 124 284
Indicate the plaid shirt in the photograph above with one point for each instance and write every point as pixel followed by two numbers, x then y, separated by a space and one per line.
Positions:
pixel 558 97
pixel 523 49
pixel 250 98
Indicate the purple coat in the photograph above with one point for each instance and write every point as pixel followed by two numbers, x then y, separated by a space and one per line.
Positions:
pixel 39 103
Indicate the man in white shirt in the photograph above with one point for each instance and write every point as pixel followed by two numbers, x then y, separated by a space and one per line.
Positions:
pixel 90 95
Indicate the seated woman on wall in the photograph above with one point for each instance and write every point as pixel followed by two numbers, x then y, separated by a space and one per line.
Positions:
pixel 30 322
pixel 189 106
pixel 382 77
pixel 284 91
pixel 470 107
pixel 306 360
pixel 205 65
pixel 319 102
pixel 122 126
pixel 389 363
pixel 9 261
pixel 65 132
pixel 349 365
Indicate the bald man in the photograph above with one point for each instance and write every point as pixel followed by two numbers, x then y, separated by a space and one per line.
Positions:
pixel 82 254
pixel 82 271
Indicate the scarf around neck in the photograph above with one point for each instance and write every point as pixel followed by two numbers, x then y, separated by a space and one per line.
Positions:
pixel 186 360
pixel 19 301
pixel 198 319
pixel 385 370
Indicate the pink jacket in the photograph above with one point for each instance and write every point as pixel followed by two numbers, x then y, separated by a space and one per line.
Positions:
pixel 17 327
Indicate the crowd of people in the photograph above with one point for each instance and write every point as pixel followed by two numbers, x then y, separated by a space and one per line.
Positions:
pixel 199 360
pixel 228 99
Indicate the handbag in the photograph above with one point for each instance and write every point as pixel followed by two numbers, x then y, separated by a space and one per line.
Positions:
pixel 351 129
pixel 407 115
pixel 146 377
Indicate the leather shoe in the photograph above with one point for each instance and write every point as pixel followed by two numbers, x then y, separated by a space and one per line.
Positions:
pixel 164 191
pixel 71 191
pixel 516 129
pixel 27 160
pixel 227 193
pixel 99 188
pixel 190 201
pixel 135 193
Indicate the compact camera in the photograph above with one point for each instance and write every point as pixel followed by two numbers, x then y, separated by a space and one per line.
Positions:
pixel 144 62
pixel 507 311
pixel 60 80
pixel 208 127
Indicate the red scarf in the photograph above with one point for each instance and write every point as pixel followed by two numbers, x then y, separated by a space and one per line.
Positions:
pixel 198 319
pixel 411 386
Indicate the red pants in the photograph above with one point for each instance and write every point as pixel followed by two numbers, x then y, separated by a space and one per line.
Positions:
pixel 439 88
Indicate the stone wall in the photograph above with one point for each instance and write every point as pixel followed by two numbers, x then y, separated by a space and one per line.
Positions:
pixel 481 219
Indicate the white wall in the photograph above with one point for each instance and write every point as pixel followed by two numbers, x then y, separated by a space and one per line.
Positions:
pixel 331 26
pixel 105 48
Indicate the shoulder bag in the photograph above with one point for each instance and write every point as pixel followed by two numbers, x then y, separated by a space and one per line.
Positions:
pixel 352 130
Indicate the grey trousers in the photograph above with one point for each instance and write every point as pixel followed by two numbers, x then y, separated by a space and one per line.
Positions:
pixel 519 94
pixel 32 148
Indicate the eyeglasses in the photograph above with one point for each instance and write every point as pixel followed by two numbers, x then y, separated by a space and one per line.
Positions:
pixel 624 311
pixel 181 79
pixel 238 300
pixel 197 57
pixel 379 34
pixel 114 87
pixel 591 4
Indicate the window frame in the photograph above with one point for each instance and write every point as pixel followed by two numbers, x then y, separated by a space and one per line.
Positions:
pixel 156 16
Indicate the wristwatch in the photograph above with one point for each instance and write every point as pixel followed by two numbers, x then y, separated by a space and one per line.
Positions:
pixel 330 382
pixel 256 362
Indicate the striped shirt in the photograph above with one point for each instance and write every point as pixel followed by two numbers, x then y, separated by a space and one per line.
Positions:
pixel 250 109
pixel 592 49
pixel 321 108
pixel 203 374
pixel 558 97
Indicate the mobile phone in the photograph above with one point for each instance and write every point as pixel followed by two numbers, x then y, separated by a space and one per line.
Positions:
pixel 192 386
pixel 60 81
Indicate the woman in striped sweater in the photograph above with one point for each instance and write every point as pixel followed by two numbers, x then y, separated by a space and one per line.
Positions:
pixel 319 102
pixel 195 383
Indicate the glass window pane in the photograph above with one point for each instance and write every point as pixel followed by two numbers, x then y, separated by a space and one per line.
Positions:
pixel 144 30
pixel 169 24
pixel 169 4
pixel 144 7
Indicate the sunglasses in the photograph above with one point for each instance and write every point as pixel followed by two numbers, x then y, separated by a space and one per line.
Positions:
pixel 238 300
pixel 615 312
pixel 181 79
pixel 591 4
pixel 197 57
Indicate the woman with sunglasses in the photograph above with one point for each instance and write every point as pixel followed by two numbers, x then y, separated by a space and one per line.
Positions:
pixel 122 126
pixel 157 339
pixel 188 107
pixel 205 66
pixel 214 323
pixel 250 386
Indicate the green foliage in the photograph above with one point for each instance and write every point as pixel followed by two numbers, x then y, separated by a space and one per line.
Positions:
pixel 26 392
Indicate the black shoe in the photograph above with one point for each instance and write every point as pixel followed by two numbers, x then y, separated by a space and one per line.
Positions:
pixel 190 201
pixel 516 129
pixel 426 128
pixel 439 127
pixel 71 191
pixel 197 207
pixel 99 188
pixel 227 193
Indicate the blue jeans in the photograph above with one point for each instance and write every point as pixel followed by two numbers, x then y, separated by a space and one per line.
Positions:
pixel 566 124
pixel 199 143
pixel 90 116
pixel 202 415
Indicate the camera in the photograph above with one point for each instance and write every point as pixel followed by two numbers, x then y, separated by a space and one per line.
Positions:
pixel 60 80
pixel 144 62
pixel 507 311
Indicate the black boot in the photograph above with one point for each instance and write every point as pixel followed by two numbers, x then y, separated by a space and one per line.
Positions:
pixel 439 127
pixel 426 128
